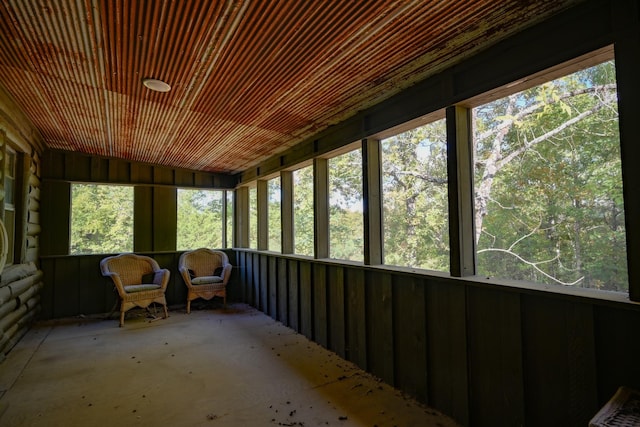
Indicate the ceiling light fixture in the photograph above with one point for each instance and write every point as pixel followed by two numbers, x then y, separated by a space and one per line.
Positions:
pixel 157 85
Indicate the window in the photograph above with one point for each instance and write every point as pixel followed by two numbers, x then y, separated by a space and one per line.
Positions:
pixel 101 219
pixel 199 219
pixel 253 218
pixel 346 228
pixel 548 186
pixel 274 215
pixel 415 204
pixel 303 211
pixel 229 219
pixel 10 202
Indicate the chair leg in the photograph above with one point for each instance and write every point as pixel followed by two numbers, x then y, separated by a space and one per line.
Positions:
pixel 188 306
pixel 121 319
pixel 166 313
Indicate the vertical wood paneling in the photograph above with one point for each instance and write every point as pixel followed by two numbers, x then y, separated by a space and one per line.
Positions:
pixel 320 329
pixel 447 349
pixel 410 336
pixel 495 354
pixel 90 296
pixel 165 217
pixel 263 284
pixel 617 350
pixel 255 280
pixel 142 225
pixel 119 171
pixel 65 297
pixel 306 294
pixel 47 295
pixel 336 307
pixel 379 313
pixel 273 287
pixel 356 317
pixel 558 361
pixel 294 296
pixel 99 169
pixel 283 292
pixel 55 221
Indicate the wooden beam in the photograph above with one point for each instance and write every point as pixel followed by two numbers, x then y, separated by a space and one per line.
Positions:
pixel 460 181
pixel 241 217
pixel 372 202
pixel 286 211
pixel 263 214
pixel 321 207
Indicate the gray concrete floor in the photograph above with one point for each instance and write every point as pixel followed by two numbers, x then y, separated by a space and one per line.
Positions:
pixel 217 366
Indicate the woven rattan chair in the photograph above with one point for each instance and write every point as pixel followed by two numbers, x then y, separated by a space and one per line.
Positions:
pixel 206 273
pixel 138 279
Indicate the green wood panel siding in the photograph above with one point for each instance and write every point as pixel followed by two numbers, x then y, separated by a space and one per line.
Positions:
pixel 99 169
pixel 66 301
pixel 141 173
pixel 119 171
pixel 283 292
pixel 142 213
pixel 165 216
pixel 356 327
pixel 46 295
pixel 262 285
pixel 55 205
pixel 495 355
pixel 294 295
pixel 559 361
pixel 379 314
pixel 336 307
pixel 447 349
pixel 255 281
pixel 184 178
pixel 409 322
pixel 320 319
pixel 617 349
pixel 273 287
pixel 305 285
pixel 90 286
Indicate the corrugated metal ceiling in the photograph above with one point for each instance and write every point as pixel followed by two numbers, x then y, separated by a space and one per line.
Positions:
pixel 249 78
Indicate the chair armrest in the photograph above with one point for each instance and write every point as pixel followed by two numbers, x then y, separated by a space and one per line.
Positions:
pixel 184 271
pixel 161 277
pixel 115 277
pixel 226 273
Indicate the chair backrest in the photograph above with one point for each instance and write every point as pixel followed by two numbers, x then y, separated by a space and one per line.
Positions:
pixel 203 261
pixel 130 267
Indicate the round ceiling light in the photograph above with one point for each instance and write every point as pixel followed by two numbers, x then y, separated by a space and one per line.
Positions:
pixel 157 85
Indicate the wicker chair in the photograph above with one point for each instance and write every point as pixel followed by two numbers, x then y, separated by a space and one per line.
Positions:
pixel 138 279
pixel 206 273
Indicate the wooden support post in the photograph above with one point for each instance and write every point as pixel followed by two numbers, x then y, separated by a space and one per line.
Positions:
pixel 241 217
pixel 286 211
pixel 321 207
pixel 372 202
pixel 263 214
pixel 460 178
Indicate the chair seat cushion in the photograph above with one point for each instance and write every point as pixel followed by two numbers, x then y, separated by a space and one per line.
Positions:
pixel 206 280
pixel 140 288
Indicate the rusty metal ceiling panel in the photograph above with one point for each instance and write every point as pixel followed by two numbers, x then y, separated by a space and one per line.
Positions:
pixel 249 78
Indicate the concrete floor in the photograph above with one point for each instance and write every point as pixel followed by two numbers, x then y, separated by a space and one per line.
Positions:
pixel 214 367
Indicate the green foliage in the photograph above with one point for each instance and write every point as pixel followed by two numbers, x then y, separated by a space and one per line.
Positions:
pixel 101 219
pixel 274 215
pixel 346 228
pixel 549 186
pixel 303 211
pixel 199 219
pixel 414 174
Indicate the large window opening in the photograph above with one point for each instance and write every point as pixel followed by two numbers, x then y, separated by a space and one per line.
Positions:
pixel 101 219
pixel 253 218
pixel 303 211
pixel 548 186
pixel 200 219
pixel 274 214
pixel 346 228
pixel 415 204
